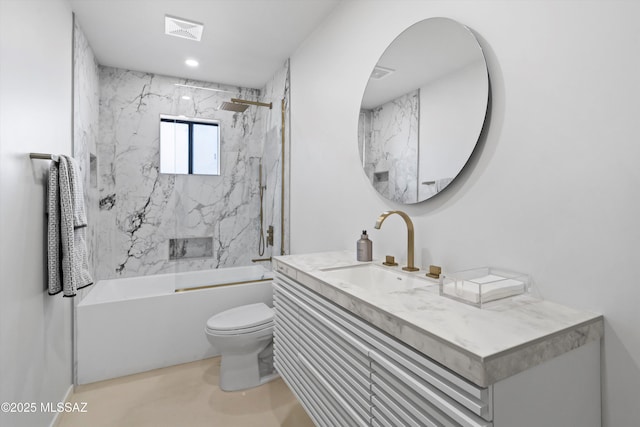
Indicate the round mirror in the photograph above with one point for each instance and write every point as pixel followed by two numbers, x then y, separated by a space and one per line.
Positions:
pixel 423 110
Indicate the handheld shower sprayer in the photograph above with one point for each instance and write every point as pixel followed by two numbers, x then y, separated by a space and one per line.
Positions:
pixel 261 245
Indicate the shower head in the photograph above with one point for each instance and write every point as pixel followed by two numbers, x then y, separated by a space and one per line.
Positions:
pixel 239 105
pixel 232 106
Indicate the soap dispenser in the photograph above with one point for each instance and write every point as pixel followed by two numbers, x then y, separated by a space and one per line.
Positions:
pixel 364 247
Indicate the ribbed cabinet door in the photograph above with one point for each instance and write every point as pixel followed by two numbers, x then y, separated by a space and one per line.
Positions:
pixel 285 347
pixel 400 397
pixel 324 366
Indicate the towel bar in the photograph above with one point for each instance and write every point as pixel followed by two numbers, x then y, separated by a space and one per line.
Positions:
pixel 43 156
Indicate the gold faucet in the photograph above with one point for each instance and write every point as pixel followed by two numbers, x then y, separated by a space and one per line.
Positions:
pixel 380 220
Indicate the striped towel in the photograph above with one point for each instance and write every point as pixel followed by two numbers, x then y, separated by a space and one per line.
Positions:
pixel 68 263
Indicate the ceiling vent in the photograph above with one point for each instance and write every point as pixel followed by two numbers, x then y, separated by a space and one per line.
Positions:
pixel 380 72
pixel 181 28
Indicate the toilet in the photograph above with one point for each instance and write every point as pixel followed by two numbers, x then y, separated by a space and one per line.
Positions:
pixel 241 334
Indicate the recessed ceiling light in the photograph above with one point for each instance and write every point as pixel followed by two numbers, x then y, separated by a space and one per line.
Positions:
pixel 191 62
pixel 186 97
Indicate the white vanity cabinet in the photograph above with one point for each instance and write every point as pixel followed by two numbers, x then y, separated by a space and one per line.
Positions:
pixel 346 372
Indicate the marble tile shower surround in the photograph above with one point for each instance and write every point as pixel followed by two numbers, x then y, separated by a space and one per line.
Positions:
pixel 140 209
pixel 86 101
pixel 391 144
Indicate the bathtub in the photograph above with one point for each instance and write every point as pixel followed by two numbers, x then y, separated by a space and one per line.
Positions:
pixel 130 325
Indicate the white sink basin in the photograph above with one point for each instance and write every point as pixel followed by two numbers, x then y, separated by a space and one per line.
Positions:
pixel 374 277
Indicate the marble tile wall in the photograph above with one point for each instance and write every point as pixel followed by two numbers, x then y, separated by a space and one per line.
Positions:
pixel 389 137
pixel 140 210
pixel 86 94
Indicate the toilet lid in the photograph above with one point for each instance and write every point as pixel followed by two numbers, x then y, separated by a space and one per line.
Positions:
pixel 245 316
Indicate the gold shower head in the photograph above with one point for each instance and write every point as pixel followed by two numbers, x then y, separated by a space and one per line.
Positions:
pixel 232 106
pixel 239 105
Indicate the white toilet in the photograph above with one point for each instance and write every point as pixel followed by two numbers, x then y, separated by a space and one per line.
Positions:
pixel 241 334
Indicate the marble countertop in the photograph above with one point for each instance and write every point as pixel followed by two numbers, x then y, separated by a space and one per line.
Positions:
pixel 482 345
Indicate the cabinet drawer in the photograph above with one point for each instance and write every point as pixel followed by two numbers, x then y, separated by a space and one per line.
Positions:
pixel 286 270
pixel 396 384
pixel 350 326
pixel 401 407
pixel 355 371
pixel 477 399
pixel 322 328
pixel 332 338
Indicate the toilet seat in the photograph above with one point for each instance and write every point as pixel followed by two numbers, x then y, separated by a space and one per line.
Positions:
pixel 245 331
pixel 241 320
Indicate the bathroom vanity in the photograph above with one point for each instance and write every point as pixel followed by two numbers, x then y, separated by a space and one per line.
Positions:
pixel 365 345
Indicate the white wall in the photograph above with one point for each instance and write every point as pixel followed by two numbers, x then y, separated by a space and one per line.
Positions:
pixel 35 116
pixel 553 188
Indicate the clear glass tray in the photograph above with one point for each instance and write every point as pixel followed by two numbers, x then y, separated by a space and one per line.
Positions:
pixel 482 285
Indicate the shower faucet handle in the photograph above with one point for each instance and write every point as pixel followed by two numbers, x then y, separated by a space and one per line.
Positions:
pixel 270 236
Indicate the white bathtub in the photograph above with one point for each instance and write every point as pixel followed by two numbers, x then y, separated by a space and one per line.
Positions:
pixel 131 325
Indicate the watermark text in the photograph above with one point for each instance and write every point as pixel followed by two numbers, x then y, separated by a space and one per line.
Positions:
pixel 26 407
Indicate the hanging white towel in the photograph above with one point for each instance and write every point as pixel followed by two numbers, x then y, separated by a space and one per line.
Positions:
pixel 67 229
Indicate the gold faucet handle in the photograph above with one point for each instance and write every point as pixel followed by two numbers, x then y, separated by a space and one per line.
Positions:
pixel 434 271
pixel 390 261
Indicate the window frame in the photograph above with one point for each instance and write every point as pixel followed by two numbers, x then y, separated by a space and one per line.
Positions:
pixel 190 121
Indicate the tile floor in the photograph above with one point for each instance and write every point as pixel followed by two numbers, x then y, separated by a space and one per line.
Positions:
pixel 183 396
